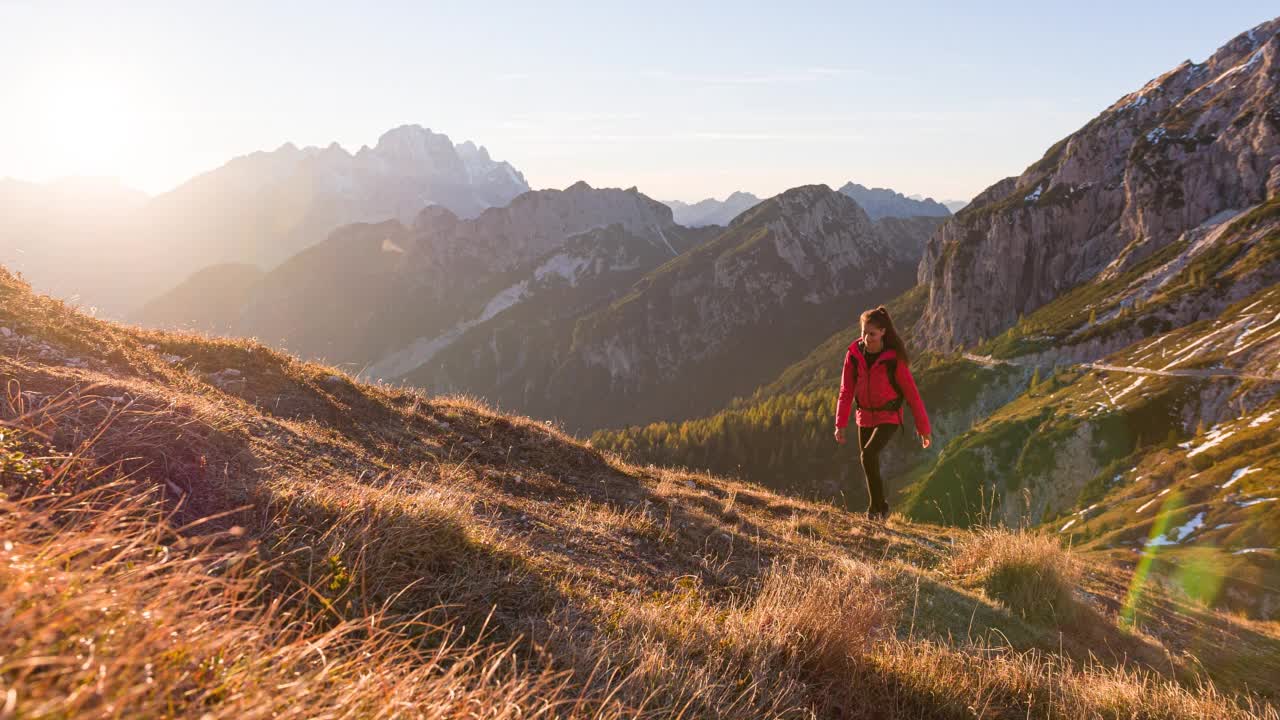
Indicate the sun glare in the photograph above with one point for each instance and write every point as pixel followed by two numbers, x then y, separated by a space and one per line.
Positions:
pixel 91 122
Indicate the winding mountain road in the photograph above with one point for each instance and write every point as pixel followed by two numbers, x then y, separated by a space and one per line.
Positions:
pixel 989 361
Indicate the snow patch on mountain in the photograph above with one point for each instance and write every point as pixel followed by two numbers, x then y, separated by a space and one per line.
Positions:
pixel 1212 439
pixel 1239 474
pixel 1178 534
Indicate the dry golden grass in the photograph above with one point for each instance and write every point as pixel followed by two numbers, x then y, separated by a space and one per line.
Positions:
pixel 109 613
pixel 297 543
pixel 1029 573
pixel 788 647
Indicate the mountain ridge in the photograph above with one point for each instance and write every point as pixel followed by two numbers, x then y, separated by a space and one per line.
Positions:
pixel 884 202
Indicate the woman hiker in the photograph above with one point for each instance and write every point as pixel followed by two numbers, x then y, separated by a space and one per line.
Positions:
pixel 877 379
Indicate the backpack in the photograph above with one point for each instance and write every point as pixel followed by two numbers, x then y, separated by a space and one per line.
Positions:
pixel 891 366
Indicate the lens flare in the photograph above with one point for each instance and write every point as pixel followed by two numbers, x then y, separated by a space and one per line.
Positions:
pixel 1137 586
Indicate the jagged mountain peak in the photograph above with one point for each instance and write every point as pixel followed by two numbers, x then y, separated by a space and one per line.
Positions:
pixel 467 148
pixel 857 186
pixel 265 206
pixel 408 134
pixel 814 201
pixel 805 191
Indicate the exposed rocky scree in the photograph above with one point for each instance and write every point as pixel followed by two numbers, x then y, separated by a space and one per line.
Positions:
pixel 1198 140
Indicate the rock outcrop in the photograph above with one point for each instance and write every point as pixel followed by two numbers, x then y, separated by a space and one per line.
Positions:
pixel 1200 139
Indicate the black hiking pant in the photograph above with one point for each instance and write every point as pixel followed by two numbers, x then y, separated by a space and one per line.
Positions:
pixel 871 440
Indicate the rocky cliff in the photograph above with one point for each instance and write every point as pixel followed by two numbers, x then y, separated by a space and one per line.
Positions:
pixel 1202 139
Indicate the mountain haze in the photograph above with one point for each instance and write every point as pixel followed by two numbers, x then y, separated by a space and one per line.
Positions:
pixel 262 208
pixel 45 228
pixel 712 211
pixel 883 202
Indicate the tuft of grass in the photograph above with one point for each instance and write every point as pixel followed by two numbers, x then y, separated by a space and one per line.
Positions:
pixel 1028 573
pixel 797 641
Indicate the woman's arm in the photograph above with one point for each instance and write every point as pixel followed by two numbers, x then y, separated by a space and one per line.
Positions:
pixel 908 385
pixel 844 403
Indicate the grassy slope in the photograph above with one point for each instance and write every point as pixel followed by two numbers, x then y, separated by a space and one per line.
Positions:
pixel 332 513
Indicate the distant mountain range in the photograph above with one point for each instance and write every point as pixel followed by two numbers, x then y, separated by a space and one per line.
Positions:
pixel 525 303
pixel 883 202
pixel 402 289
pixel 257 209
pixel 711 211
pixel 953 205
pixel 876 202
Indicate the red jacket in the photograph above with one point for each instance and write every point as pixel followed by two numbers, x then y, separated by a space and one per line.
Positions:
pixel 873 389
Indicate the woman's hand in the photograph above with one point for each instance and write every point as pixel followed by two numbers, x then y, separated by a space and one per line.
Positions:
pixel 840 435
pixel 926 441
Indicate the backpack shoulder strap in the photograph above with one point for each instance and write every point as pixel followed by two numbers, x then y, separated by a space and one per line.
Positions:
pixel 891 367
pixel 852 354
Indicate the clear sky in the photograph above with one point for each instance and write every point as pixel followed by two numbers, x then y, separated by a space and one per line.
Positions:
pixel 683 99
